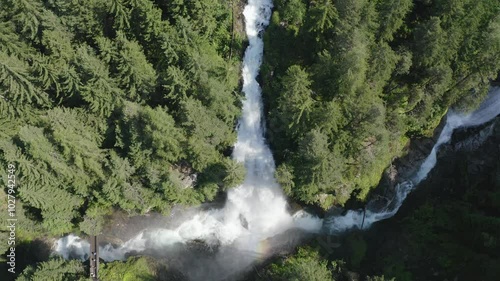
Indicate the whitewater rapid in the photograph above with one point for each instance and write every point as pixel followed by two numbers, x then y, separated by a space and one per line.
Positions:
pixel 489 109
pixel 254 211
pixel 257 210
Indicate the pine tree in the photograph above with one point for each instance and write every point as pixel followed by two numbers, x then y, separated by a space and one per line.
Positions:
pixel 121 14
pixel 296 102
pixel 322 17
pixel 99 90
pixel 15 82
pixel 55 269
pixel 9 42
pixel 136 75
pixel 392 15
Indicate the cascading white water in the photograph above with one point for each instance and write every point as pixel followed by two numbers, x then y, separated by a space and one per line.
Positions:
pixel 488 110
pixel 254 211
pixel 72 246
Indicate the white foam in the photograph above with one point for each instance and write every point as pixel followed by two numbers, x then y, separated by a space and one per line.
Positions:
pixel 257 209
pixel 488 110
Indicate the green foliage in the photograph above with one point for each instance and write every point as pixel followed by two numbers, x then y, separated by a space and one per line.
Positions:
pixel 234 173
pixel 135 74
pixel 284 176
pixel 135 268
pixel 452 227
pixel 99 90
pixel 306 265
pixel 92 225
pixel 16 86
pixel 116 104
pixel 152 130
pixel 293 12
pixel 132 105
pixel 358 249
pixel 354 80
pixel 296 103
pixel 319 173
pixel 392 15
pixel 322 17
pixel 55 269
pixel 206 134
pixel 46 172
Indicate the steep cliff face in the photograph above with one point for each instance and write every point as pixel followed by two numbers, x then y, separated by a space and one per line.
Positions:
pixel 471 155
pixel 464 140
pixel 414 155
pixel 449 227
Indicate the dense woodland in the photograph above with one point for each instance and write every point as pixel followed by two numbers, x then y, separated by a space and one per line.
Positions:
pixel 132 104
pixel 347 83
pixel 117 104
pixel 448 229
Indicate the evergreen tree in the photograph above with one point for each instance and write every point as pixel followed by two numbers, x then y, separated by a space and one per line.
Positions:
pixel 55 269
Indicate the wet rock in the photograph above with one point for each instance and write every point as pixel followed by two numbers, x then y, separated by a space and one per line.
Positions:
pixel 243 221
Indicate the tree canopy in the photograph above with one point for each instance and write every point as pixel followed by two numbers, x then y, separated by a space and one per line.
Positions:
pixel 117 104
pixel 133 104
pixel 348 83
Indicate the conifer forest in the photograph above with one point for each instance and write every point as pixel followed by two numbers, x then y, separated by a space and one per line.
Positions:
pixel 268 119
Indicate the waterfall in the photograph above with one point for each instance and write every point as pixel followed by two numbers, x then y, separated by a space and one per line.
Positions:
pixel 488 110
pixel 254 211
pixel 257 210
